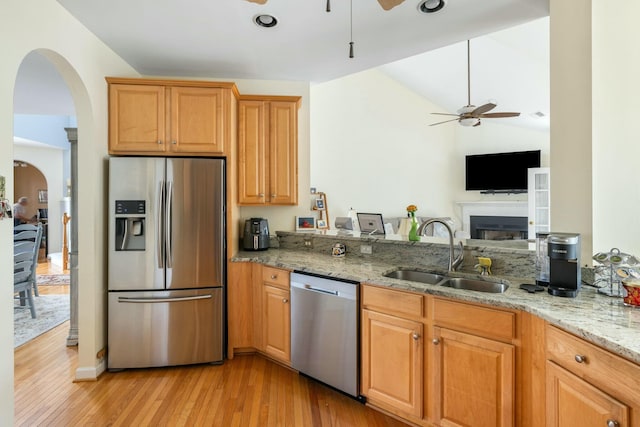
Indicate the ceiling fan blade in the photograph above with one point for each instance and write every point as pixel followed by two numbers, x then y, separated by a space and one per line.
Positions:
pixel 483 109
pixel 388 4
pixel 446 121
pixel 447 114
pixel 499 115
pixel 258 1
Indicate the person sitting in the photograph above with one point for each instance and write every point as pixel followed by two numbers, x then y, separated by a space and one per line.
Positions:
pixel 20 212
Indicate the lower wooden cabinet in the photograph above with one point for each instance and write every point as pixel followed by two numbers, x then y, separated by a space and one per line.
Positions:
pixel 589 386
pixel 473 380
pixel 276 321
pixel 392 362
pixel 571 401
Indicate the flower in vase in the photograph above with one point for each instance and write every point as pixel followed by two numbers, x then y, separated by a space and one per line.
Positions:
pixel 411 209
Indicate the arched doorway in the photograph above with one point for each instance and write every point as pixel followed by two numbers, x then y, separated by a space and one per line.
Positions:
pixel 48 68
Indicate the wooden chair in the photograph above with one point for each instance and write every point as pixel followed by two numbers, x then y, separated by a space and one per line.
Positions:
pixel 27 238
pixel 22 285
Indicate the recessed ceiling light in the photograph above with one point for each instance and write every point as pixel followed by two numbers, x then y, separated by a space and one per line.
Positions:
pixel 266 21
pixel 430 6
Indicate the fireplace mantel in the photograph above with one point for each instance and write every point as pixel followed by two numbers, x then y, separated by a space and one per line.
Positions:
pixel 491 208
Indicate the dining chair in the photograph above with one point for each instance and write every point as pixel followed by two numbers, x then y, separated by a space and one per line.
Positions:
pixel 22 285
pixel 27 238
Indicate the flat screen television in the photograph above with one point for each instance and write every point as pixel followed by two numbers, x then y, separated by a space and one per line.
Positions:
pixel 500 172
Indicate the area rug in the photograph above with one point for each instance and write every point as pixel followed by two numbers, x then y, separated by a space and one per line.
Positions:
pixel 52 279
pixel 51 311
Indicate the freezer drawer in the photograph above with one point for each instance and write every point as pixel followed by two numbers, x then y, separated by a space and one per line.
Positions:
pixel 164 328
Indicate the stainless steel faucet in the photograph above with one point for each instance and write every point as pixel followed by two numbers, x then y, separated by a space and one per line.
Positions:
pixel 453 263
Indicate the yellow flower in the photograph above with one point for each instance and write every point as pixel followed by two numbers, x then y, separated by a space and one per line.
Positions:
pixel 412 208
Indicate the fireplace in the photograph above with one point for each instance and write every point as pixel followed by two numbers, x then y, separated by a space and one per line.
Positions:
pixel 498 227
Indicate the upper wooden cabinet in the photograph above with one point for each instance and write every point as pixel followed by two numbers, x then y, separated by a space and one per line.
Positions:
pixel 172 117
pixel 268 150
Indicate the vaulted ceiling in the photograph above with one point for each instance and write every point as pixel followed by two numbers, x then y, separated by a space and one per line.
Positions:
pixel 425 52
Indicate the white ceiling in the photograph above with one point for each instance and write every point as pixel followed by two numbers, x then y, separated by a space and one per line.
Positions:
pixel 207 38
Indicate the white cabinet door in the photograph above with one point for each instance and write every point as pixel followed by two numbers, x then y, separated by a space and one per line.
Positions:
pixel 539 193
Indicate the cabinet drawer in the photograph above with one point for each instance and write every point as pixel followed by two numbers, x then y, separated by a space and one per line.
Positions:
pixel 605 370
pixel 478 320
pixel 275 276
pixel 393 302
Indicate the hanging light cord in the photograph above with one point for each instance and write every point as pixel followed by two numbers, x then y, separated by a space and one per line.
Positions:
pixel 328 5
pixel 351 26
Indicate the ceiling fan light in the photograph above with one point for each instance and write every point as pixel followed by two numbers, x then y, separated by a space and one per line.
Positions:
pixel 471 121
pixel 266 21
pixel 430 6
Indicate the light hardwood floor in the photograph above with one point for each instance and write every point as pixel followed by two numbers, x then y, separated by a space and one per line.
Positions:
pixel 246 391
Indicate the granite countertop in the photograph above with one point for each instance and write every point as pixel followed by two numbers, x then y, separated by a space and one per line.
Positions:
pixel 598 318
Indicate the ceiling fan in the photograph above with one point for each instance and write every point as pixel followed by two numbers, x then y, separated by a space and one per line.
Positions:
pixel 470 115
pixel 386 4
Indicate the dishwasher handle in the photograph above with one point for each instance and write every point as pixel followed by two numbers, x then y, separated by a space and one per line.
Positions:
pixel 324 291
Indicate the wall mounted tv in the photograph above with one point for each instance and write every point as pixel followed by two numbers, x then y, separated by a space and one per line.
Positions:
pixel 500 172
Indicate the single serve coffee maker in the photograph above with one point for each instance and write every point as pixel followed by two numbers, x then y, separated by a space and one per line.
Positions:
pixel 564 264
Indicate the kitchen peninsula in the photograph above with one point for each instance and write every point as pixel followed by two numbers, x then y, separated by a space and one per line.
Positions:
pixel 533 338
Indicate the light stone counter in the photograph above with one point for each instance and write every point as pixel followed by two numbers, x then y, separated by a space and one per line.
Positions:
pixel 600 319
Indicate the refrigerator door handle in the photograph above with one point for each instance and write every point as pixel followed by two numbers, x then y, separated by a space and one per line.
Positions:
pixel 155 299
pixel 160 225
pixel 168 224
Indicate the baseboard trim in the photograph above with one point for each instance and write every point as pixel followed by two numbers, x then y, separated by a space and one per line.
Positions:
pixel 91 374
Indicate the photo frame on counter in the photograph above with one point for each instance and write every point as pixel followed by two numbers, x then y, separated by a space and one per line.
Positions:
pixel 305 223
pixel 371 223
pixel 319 204
pixel 321 224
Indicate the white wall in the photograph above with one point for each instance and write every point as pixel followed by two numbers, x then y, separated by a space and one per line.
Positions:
pixel 373 149
pixel 83 61
pixel 616 134
pixel 49 161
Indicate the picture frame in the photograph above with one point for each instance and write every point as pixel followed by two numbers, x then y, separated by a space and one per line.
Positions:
pixel 322 224
pixel 319 204
pixel 371 223
pixel 305 223
pixel 43 196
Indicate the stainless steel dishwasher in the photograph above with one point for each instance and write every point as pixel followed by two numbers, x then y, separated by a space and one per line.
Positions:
pixel 324 330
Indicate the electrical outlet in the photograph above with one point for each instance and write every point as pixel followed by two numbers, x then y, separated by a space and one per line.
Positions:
pixel 308 243
pixel 365 249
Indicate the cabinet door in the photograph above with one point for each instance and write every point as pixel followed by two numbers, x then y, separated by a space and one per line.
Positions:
pixel 136 119
pixel 283 153
pixel 197 120
pixel 392 362
pixel 474 380
pixel 539 195
pixel 573 402
pixel 252 152
pixel 276 323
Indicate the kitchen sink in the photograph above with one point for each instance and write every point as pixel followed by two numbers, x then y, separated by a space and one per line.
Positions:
pixel 475 285
pixel 416 276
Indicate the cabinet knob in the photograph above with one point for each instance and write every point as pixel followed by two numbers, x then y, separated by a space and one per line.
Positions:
pixel 261 195
pixel 274 276
pixel 284 300
pixel 580 358
pixel 159 142
pixel 273 196
pixel 613 423
pixel 415 336
pixel 435 341
pixel 174 142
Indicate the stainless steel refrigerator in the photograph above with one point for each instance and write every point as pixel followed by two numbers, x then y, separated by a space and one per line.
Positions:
pixel 166 261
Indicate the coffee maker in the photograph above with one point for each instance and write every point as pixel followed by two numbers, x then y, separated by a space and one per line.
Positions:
pixel 256 234
pixel 564 264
